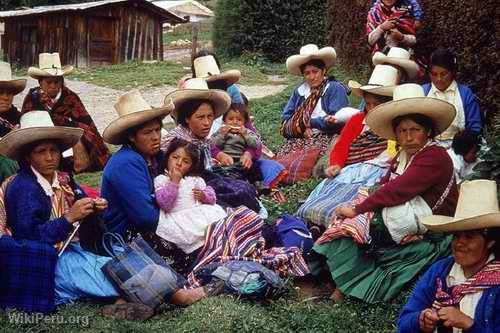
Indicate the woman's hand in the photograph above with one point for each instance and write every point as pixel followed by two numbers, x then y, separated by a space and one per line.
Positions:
pixel 308 133
pixel 246 160
pixel 453 317
pixel 332 170
pixel 80 210
pixel 100 204
pixel 346 212
pixel 198 194
pixel 428 320
pixel 388 24
pixel 398 36
pixel 224 159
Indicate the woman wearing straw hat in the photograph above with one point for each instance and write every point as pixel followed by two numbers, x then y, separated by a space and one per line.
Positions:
pixel 359 157
pixel 42 206
pixel 66 109
pixel 443 71
pixel 461 293
pixel 380 245
pixel 9 115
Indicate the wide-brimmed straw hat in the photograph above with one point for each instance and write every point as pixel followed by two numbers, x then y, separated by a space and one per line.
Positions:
pixel 399 57
pixel 206 67
pixel 49 65
pixel 6 81
pixel 477 208
pixel 309 52
pixel 36 126
pixel 382 82
pixel 132 111
pixel 409 98
pixel 197 88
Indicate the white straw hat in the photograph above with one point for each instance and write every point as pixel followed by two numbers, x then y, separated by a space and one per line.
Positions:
pixel 399 57
pixel 197 88
pixel 6 81
pixel 132 111
pixel 409 99
pixel 36 126
pixel 206 67
pixel 49 64
pixel 382 82
pixel 477 208
pixel 309 52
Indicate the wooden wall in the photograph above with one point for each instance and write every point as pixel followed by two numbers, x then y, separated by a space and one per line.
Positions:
pixel 108 35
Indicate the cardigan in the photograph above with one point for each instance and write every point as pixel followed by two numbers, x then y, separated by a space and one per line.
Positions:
pixel 486 318
pixel 127 184
pixel 428 176
pixel 349 133
pixel 473 118
pixel 333 99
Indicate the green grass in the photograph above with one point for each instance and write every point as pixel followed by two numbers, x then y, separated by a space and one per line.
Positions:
pixel 228 314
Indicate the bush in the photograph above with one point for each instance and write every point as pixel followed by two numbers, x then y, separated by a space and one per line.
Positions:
pixel 468 27
pixel 275 28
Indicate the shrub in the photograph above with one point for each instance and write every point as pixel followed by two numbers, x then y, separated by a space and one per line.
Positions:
pixel 274 28
pixel 468 27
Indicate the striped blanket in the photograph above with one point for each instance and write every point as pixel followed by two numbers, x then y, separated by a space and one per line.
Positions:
pixel 239 237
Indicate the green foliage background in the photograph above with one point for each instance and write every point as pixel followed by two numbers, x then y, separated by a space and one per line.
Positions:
pixel 275 28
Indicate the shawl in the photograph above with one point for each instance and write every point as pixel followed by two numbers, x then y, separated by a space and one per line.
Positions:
pixel 365 147
pixel 184 133
pixel 70 111
pixel 300 120
pixel 378 14
pixel 487 277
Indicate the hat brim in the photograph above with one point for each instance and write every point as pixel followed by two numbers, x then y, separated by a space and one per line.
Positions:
pixel 440 223
pixel 327 54
pixel 116 132
pixel 38 73
pixel 220 99
pixel 359 89
pixel 411 67
pixel 380 118
pixel 14 85
pixel 11 144
pixel 230 77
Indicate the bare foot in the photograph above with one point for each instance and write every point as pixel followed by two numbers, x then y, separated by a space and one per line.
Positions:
pixel 188 296
pixel 337 296
pixel 120 301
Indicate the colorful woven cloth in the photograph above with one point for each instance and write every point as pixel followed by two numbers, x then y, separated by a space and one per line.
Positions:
pixel 300 120
pixel 365 147
pixel 239 237
pixel 487 277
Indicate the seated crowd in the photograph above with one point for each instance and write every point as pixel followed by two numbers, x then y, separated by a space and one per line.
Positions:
pixel 395 206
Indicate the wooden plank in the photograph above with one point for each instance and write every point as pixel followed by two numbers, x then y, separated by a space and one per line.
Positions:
pixel 140 42
pixel 162 53
pixel 134 39
pixel 127 36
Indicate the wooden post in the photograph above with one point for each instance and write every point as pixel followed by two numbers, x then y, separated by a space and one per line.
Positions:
pixel 194 40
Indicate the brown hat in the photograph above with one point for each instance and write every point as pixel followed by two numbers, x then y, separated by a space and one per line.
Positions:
pixel 477 208
pixel 6 81
pixel 132 111
pixel 35 126
pixel 49 66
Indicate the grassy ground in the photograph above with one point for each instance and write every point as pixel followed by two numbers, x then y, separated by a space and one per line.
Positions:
pixel 289 313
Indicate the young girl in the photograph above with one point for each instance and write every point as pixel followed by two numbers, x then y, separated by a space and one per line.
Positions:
pixel 234 139
pixel 187 203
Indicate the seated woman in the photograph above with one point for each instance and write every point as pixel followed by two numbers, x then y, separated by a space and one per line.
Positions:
pixel 66 109
pixel 196 107
pixel 308 119
pixel 390 24
pixel 374 255
pixel 461 293
pixel 358 158
pixel 9 115
pixel 443 71
pixel 42 207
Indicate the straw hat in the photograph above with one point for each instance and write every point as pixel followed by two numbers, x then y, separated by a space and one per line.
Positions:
pixel 206 67
pixel 132 111
pixel 399 57
pixel 477 208
pixel 309 52
pixel 382 82
pixel 409 99
pixel 6 81
pixel 35 126
pixel 49 65
pixel 197 88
